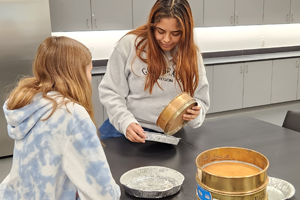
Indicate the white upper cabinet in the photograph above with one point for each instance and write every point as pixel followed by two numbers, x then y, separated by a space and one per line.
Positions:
pixel 295 11
pixel 78 15
pixel 276 11
pixel 281 12
pixel 232 12
pixel 70 15
pixel 141 11
pixel 248 12
pixel 197 11
pixel 111 15
pixel 218 13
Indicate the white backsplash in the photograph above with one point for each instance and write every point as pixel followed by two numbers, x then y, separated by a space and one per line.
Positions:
pixel 209 39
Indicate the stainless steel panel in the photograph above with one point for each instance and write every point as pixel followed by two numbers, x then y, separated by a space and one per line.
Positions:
pixel 24 24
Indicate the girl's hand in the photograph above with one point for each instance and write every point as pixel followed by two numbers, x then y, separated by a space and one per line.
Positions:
pixel 192 113
pixel 135 133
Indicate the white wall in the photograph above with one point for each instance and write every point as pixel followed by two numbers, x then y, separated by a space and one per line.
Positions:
pixel 247 37
pixel 209 39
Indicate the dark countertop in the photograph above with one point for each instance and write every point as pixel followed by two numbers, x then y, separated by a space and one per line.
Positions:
pixel 248 58
pixel 99 70
pixel 279 145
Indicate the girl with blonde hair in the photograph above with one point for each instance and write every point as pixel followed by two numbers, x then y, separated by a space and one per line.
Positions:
pixel 149 67
pixel 57 152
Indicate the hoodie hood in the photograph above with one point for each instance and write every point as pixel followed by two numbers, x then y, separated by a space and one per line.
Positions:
pixel 21 121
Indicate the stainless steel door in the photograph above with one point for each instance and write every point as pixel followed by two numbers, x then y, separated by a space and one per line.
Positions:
pixel 24 24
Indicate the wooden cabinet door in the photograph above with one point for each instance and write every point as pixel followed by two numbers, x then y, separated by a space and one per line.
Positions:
pixel 227 87
pixel 218 13
pixel 295 11
pixel 209 75
pixel 284 80
pixel 141 11
pixel 98 107
pixel 276 11
pixel 111 15
pixel 249 12
pixel 257 83
pixel 70 15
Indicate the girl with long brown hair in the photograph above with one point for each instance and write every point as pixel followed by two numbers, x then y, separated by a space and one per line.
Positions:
pixel 148 68
pixel 57 151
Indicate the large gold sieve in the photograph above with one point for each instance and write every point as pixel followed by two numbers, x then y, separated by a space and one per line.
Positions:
pixel 170 119
pixel 235 187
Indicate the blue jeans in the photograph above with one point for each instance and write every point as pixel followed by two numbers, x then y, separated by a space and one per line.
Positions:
pixel 107 130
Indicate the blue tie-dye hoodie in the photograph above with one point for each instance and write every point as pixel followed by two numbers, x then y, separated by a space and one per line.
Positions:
pixel 54 158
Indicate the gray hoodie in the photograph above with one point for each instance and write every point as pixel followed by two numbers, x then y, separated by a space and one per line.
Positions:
pixel 122 89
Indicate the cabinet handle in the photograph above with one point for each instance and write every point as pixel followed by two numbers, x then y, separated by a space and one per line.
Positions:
pixel 236 18
pixel 246 68
pixel 231 20
pixel 87 21
pixel 241 70
pixel 292 16
pixel 96 23
pixel 287 18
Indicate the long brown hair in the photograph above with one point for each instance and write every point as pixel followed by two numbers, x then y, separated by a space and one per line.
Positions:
pixel 60 65
pixel 185 56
